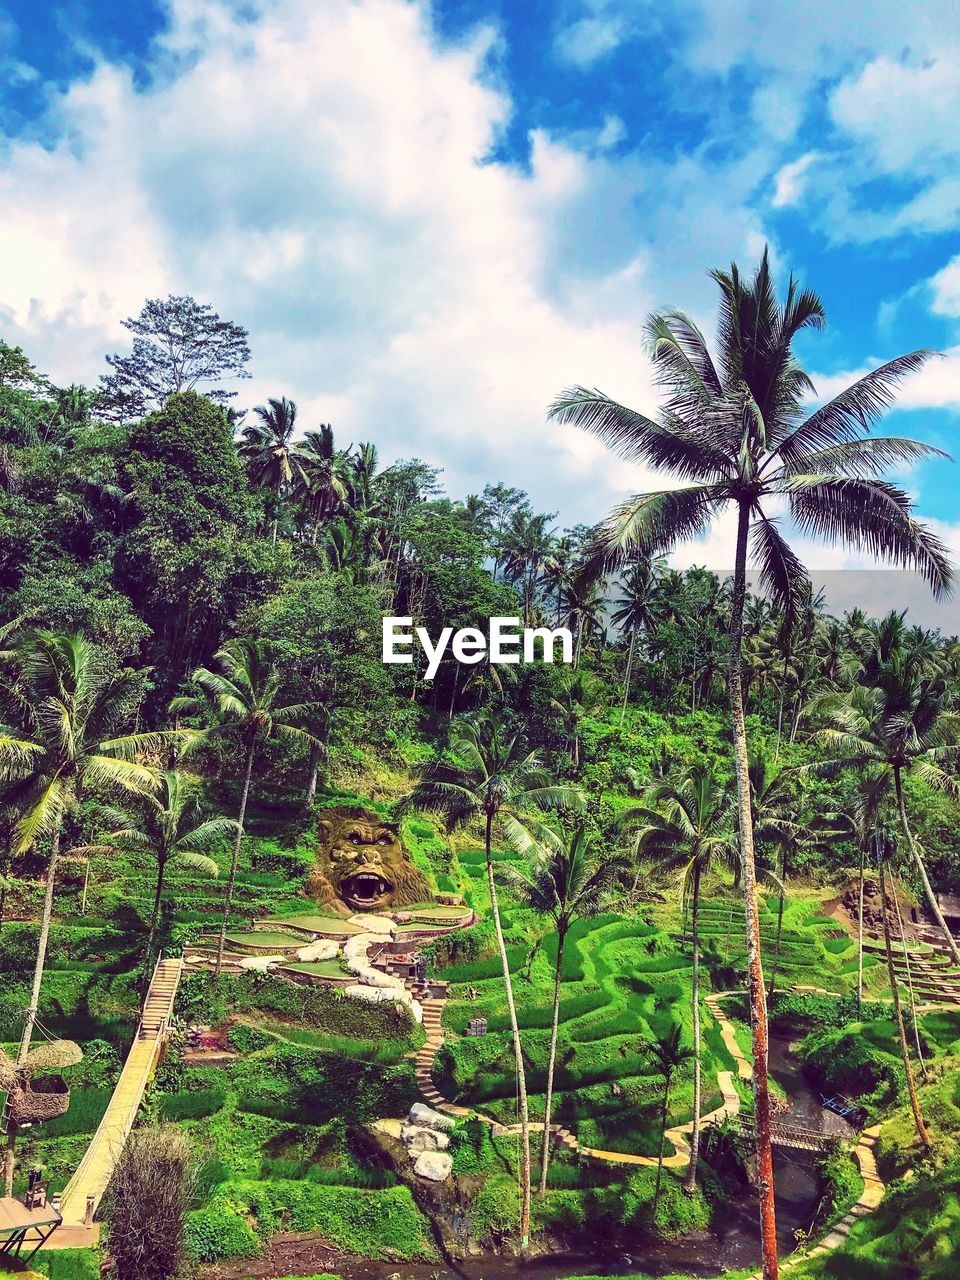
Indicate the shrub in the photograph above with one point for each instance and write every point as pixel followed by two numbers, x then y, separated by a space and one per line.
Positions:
pixel 220 1231
pixel 247 1039
pixel 496 1210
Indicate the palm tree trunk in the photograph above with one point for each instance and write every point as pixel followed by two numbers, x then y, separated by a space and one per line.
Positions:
pixel 913 999
pixel 860 938
pixel 898 1012
pixel 561 935
pixel 312 776
pixel 626 679
pixel 154 918
pixel 931 897
pixel 222 941
pixel 664 1111
pixel 758 1004
pixel 31 1014
pixel 690 1183
pixel 776 948
pixel 517 1047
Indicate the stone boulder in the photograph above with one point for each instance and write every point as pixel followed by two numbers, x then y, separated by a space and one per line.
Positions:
pixel 418 1140
pixel 260 963
pixel 425 1117
pixel 373 995
pixel 435 1166
pixel 322 949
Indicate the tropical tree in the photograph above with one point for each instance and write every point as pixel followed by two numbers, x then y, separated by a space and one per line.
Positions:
pixel 688 826
pixel 268 449
pixel 579 695
pixel 244 695
pixel 167 827
pixel 883 848
pixel 901 722
pixel 67 728
pixel 324 476
pixel 667 1056
pixel 735 433
pixel 492 776
pixel 636 610
pixel 526 547
pixel 566 879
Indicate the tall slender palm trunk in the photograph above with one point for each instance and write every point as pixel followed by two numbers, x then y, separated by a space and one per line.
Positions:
pixel 910 991
pixel 664 1112
pixel 758 1003
pixel 860 937
pixel 238 840
pixel 898 1013
pixel 517 1047
pixel 154 922
pixel 627 677
pixel 30 1018
pixel 690 1182
pixel 551 1063
pixel 776 945
pixel 915 853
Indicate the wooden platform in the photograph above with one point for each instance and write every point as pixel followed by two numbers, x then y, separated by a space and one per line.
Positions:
pixel 22 1228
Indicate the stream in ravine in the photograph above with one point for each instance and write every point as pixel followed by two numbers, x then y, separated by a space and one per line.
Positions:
pixel 733 1242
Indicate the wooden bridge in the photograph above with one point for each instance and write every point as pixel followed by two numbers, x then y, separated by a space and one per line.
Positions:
pixel 84 1191
pixel 783 1133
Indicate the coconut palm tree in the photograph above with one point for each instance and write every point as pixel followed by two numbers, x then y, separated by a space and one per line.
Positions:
pixel 735 433
pixel 267 448
pixel 566 879
pixel 667 1056
pixel 243 694
pixel 324 474
pixel 493 777
pixel 527 546
pixel 902 723
pixel 687 826
pixel 167 828
pixel 67 719
pixel 579 695
pixel 636 612
pixel 883 848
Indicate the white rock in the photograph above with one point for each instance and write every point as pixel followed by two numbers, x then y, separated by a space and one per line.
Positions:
pixel 261 963
pixel 392 1128
pixel 323 949
pixel 417 1140
pixel 436 1166
pixel 426 1118
pixel 373 924
pixel 373 995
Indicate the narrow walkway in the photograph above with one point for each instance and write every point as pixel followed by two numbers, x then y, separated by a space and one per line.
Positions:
pixel 676 1136
pixel 863 1152
pixel 85 1189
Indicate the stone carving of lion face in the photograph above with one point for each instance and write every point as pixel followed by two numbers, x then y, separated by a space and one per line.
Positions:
pixel 362 865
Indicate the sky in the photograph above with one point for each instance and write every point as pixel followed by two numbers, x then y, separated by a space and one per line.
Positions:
pixel 432 218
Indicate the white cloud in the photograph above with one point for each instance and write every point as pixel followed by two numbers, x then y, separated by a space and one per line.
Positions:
pixel 790 182
pixel 321 175
pixel 905 113
pixel 945 288
pixel 589 39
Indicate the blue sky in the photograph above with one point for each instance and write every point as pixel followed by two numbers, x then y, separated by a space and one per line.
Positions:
pixel 433 218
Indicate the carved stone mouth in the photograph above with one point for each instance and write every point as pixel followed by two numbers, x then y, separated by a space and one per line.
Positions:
pixel 366 890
